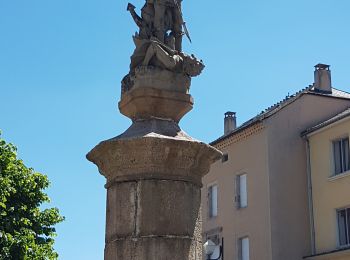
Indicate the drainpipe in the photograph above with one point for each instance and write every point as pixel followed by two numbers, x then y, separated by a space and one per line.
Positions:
pixel 311 206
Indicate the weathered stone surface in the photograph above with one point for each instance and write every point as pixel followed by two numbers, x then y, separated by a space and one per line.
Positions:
pixel 152 208
pixel 154 248
pixel 146 103
pixel 154 127
pixel 168 207
pixel 121 210
pixel 153 157
pixel 152 77
pixel 145 218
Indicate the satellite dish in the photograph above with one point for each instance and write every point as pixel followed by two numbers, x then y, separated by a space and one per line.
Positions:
pixel 209 247
pixel 216 253
pixel 212 250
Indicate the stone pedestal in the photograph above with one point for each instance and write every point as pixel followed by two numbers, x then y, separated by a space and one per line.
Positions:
pixel 154 170
pixel 148 103
pixel 153 173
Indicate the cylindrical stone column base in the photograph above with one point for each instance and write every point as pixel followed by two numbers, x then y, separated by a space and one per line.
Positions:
pixel 153 195
pixel 153 219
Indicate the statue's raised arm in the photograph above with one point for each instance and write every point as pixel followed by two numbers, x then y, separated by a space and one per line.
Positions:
pixel 137 19
pixel 145 22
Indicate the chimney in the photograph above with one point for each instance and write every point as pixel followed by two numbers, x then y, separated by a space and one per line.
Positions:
pixel 229 122
pixel 323 82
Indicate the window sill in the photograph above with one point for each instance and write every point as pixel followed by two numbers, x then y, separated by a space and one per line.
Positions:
pixel 339 176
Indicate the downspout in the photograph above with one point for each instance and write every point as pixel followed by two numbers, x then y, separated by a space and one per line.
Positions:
pixel 311 204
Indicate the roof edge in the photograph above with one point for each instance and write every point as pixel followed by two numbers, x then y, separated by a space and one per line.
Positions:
pixel 338 117
pixel 276 108
pixel 234 132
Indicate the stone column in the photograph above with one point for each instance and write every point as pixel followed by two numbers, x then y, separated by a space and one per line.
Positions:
pixel 153 173
pixel 154 170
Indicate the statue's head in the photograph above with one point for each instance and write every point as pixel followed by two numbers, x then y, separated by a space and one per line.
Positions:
pixel 191 65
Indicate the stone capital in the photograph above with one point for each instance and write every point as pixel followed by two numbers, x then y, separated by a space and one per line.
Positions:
pixel 153 157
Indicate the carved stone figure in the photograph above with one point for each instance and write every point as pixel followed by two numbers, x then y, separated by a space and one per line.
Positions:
pixel 158 46
pixel 163 10
pixel 171 59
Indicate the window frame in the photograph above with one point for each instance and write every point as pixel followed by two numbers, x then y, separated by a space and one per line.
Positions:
pixel 238 192
pixel 333 156
pixel 211 214
pixel 224 157
pixel 347 226
pixel 240 247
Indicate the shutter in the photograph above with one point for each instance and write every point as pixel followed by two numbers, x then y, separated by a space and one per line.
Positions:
pixel 337 157
pixel 243 190
pixel 215 200
pixel 346 154
pixel 210 205
pixel 245 248
pixel 237 190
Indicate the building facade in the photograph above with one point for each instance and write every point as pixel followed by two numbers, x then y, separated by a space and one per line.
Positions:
pixel 256 198
pixel 329 175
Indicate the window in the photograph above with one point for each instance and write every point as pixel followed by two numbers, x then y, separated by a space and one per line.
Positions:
pixel 341 155
pixel 213 200
pixel 224 157
pixel 344 226
pixel 241 191
pixel 243 248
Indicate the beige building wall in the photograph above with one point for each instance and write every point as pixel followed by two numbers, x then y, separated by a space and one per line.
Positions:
pixel 277 217
pixel 247 155
pixel 288 177
pixel 329 192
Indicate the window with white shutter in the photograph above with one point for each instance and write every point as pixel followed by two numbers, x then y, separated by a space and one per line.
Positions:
pixel 241 191
pixel 213 201
pixel 243 248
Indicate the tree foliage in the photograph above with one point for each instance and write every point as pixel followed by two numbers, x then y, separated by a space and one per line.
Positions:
pixel 26 231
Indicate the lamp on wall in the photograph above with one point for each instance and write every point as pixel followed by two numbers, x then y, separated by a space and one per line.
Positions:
pixel 211 249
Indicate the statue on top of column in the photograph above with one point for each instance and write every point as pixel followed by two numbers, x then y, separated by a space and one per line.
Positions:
pixel 159 43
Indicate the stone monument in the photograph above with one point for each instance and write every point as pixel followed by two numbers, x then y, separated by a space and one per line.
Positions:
pixel 154 169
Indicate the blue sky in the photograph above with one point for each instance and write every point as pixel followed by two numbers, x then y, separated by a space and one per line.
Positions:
pixel 61 63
